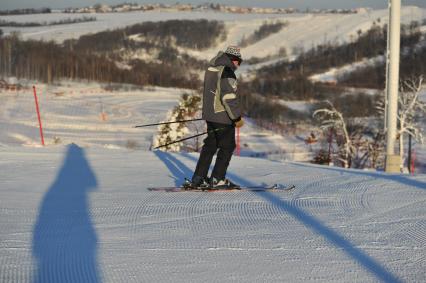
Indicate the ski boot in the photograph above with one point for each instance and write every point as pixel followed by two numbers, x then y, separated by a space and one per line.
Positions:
pixel 197 183
pixel 223 184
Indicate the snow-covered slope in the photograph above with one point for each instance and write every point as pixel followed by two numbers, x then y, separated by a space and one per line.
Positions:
pixel 86 114
pixel 307 30
pixel 303 31
pixel 72 214
pixel 90 115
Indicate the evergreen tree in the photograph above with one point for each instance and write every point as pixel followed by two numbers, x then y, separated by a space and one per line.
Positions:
pixel 188 108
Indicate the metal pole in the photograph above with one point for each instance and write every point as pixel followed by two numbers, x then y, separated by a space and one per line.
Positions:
pixel 38 116
pixel 238 142
pixel 184 139
pixel 172 122
pixel 191 137
pixel 387 69
pixel 409 154
pixel 393 162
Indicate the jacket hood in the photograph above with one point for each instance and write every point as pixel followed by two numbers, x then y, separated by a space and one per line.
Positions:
pixel 222 59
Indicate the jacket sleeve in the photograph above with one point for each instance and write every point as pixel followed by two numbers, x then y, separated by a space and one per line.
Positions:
pixel 229 98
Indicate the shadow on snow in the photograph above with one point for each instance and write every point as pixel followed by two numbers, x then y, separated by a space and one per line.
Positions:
pixel 175 166
pixel 64 239
pixel 400 178
pixel 315 225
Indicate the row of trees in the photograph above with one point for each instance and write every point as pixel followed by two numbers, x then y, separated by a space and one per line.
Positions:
pixel 290 80
pixel 412 64
pixel 268 109
pixel 265 30
pixel 323 57
pixel 369 44
pixel 197 34
pixel 48 61
pixel 101 56
pixel 4 23
pixel 25 11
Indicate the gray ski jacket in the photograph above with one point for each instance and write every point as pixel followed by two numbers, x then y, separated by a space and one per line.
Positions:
pixel 220 99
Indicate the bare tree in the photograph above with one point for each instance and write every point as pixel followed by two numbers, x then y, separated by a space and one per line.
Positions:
pixel 410 108
pixel 332 118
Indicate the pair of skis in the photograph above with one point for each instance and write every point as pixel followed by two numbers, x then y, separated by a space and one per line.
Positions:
pixel 274 188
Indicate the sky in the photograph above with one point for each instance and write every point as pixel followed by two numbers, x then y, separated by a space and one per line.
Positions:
pixel 299 4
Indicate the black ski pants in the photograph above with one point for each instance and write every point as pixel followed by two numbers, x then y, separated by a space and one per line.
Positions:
pixel 222 137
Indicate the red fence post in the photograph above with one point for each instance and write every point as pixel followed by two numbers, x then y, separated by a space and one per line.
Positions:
pixel 38 115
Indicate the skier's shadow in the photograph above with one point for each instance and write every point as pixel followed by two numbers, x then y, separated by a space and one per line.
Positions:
pixel 175 166
pixel 400 178
pixel 318 227
pixel 64 239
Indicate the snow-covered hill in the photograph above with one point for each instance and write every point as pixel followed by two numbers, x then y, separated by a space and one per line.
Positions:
pixel 73 214
pixel 303 31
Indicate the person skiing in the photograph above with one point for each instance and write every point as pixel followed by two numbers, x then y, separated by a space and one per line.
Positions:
pixel 222 113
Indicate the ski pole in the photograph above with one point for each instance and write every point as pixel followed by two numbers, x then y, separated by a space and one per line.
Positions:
pixel 165 123
pixel 191 137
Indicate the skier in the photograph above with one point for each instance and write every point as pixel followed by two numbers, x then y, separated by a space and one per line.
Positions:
pixel 222 113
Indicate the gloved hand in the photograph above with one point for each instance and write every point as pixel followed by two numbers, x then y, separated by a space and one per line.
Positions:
pixel 239 123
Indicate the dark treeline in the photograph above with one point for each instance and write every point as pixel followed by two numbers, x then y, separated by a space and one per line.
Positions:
pixel 196 34
pixel 290 80
pixel 4 23
pixel 412 65
pixel 25 11
pixel 269 110
pixel 98 56
pixel 369 44
pixel 48 61
pixel 265 30
pixel 323 57
pixel 352 105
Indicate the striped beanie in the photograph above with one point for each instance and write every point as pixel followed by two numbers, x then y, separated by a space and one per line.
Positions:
pixel 234 51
